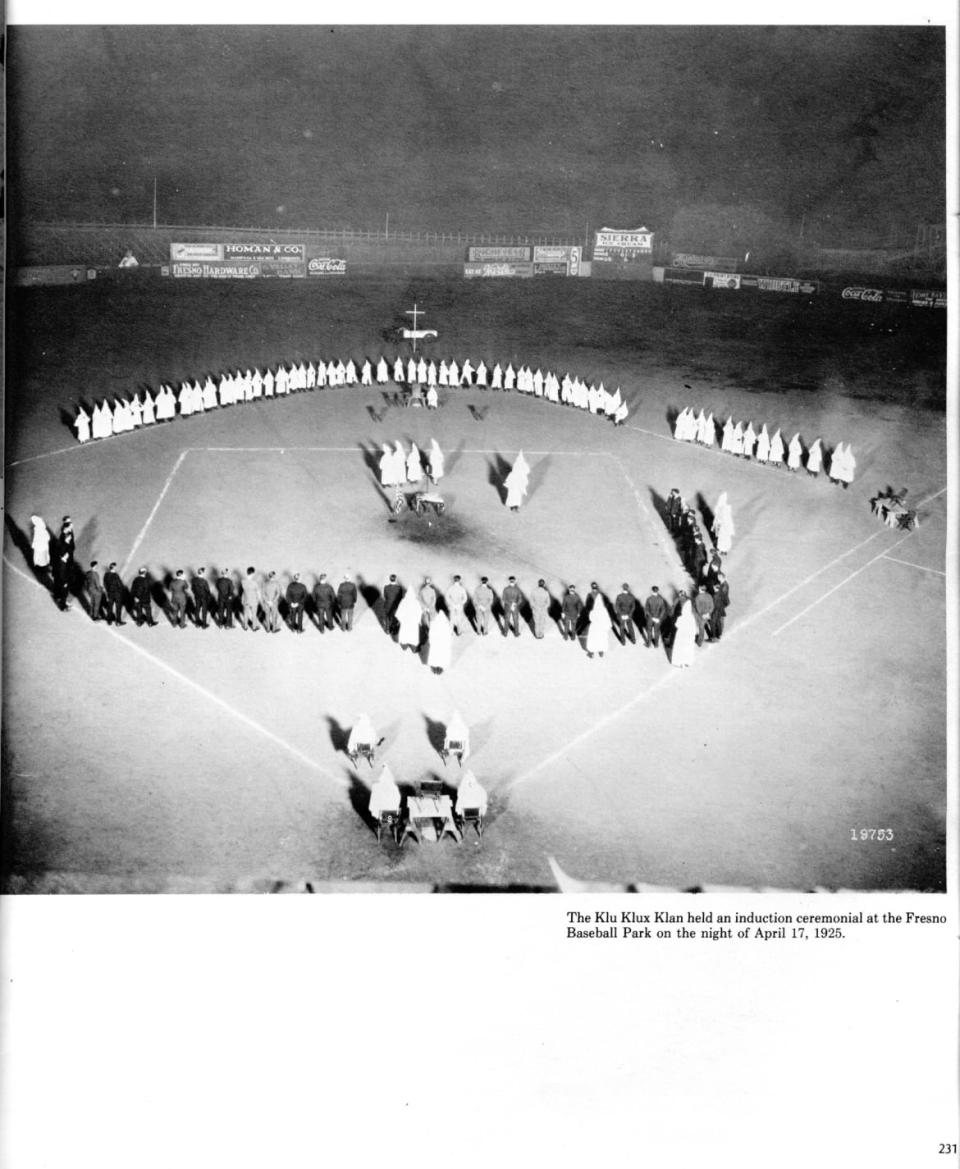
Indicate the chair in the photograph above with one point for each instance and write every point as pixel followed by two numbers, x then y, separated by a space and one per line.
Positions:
pixel 410 828
pixel 430 787
pixel 472 816
pixel 388 822
pixel 454 747
pixel 364 751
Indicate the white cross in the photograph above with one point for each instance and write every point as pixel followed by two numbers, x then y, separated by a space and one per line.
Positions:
pixel 414 312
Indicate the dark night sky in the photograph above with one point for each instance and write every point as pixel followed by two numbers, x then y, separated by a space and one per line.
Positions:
pixel 481 128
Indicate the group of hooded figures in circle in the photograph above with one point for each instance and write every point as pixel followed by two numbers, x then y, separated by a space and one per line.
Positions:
pixel 232 389
pixel 398 467
pixel 745 442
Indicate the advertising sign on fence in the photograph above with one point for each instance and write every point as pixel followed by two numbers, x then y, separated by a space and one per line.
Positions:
pixel 715 263
pixel 54 274
pixel 873 295
pixel 284 253
pixel 682 276
pixel 499 252
pixel 471 270
pixel 212 253
pixel 216 271
pixel 326 266
pixel 721 280
pixel 612 244
pixel 929 298
pixel 921 297
pixel 551 268
pixel 570 255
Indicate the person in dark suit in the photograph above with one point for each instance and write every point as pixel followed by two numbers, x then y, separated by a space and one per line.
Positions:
pixel 570 609
pixel 624 607
pixel 703 614
pixel 140 589
pixel 674 510
pixel 323 599
pixel 296 599
pixel 512 600
pixel 226 593
pixel 392 594
pixel 346 602
pixel 201 598
pixel 655 610
pixel 714 566
pixel 67 545
pixel 62 565
pixel 94 590
pixel 721 601
pixel 698 557
pixel 113 587
pixel 178 599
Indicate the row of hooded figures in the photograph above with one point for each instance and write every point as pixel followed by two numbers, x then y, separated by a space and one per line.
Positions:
pixel 747 443
pixel 232 389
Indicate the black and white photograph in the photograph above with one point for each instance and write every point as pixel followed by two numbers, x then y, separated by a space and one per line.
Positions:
pixel 476 458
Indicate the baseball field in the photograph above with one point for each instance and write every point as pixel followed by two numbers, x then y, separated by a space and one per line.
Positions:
pixel 806 749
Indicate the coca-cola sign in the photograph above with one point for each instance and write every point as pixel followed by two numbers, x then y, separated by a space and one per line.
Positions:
pixel 874 295
pixel 327 266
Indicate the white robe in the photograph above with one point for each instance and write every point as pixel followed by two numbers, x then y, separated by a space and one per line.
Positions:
pixel 440 648
pixel 496 381
pixel 481 374
pixel 82 425
pixel 763 445
pixel 470 795
pixel 466 373
pixel 727 444
pixel 383 373
pixel 135 412
pixel 815 458
pixel 749 440
pixel 516 482
pixel 40 544
pixel 598 631
pixel 685 638
pixel 776 449
pixel 453 374
pixel 443 374
pixel 350 373
pixel 386 464
pixel 409 617
pixel 509 378
pixel 366 376
pixel 436 462
pixel 414 466
pixel 421 371
pixel 398 371
pixel 796 453
pixel 149 410
pixel 411 371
